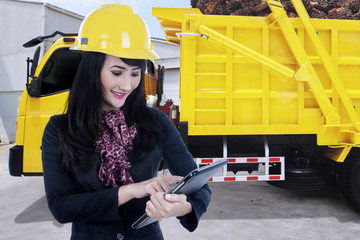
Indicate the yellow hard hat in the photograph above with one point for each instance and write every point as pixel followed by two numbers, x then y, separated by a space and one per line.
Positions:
pixel 116 30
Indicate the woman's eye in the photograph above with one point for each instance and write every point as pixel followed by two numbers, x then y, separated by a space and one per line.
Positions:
pixel 135 74
pixel 116 73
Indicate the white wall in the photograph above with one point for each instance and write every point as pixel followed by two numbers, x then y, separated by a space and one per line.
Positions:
pixel 57 20
pixel 15 22
pixel 20 22
pixel 171 86
pixel 17 26
pixel 169 54
pixel 166 49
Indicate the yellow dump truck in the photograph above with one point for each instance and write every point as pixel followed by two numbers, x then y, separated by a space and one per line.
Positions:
pixel 278 97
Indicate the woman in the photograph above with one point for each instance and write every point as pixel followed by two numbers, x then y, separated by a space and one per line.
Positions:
pixel 101 158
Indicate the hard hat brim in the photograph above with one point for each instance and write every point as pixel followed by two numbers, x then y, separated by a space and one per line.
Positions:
pixel 131 54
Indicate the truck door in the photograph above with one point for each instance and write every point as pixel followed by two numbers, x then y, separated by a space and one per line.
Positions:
pixel 56 77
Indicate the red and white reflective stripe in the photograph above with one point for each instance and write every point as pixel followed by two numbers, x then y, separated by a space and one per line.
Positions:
pixel 274 159
pixel 239 160
pixel 245 178
pixel 224 177
pixel 205 160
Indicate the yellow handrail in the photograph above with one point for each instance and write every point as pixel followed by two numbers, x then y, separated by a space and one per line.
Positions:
pixel 324 56
pixel 306 70
pixel 245 51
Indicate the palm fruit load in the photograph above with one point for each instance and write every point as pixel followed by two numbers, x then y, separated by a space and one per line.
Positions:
pixel 325 9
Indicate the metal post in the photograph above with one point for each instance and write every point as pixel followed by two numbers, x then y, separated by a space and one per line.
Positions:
pixel 225 154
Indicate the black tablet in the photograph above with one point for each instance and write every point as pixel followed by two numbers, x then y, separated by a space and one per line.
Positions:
pixel 188 185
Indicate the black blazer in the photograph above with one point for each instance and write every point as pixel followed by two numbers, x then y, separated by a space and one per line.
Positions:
pixel 92 207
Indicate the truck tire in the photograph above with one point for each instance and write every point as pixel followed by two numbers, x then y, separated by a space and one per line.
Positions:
pixel 16 161
pixel 304 179
pixel 349 178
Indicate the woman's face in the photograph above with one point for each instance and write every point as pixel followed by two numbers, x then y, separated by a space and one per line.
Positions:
pixel 118 80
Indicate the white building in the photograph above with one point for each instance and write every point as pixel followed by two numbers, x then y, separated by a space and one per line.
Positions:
pixel 21 21
pixel 169 54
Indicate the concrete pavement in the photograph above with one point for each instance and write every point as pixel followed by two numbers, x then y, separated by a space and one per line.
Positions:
pixel 247 210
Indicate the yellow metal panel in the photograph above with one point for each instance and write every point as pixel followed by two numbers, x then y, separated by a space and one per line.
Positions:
pixel 229 80
pixel 337 154
pixel 39 111
pixel 265 50
pixel 20 121
pixel 20 127
pixel 187 88
pixel 247 112
pixel 206 116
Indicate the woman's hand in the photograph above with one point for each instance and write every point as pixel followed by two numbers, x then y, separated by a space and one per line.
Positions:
pixel 155 185
pixel 146 188
pixel 162 205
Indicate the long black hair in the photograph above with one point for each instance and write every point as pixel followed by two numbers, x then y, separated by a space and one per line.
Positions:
pixel 78 127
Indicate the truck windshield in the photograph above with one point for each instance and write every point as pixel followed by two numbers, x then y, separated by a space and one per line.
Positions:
pixel 59 71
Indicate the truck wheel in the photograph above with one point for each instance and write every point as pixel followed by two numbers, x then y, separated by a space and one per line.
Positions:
pixel 305 179
pixel 349 178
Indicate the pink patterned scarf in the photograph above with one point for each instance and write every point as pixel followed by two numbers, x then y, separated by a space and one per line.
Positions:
pixel 114 142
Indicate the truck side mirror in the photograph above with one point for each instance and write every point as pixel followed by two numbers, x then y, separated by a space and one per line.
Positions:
pixel 35 61
pixel 33 88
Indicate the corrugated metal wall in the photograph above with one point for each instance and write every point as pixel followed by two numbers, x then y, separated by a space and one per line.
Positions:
pixel 19 22
pixel 169 54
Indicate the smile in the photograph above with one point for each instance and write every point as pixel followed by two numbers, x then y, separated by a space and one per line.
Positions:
pixel 118 94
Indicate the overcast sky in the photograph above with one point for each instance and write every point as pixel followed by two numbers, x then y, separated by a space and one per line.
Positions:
pixel 142 7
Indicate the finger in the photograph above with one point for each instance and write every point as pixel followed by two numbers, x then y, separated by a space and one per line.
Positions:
pixel 175 197
pixel 158 200
pixel 151 188
pixel 165 185
pixel 173 179
pixel 162 206
pixel 157 185
pixel 151 211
